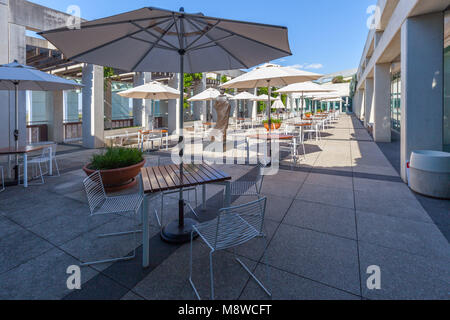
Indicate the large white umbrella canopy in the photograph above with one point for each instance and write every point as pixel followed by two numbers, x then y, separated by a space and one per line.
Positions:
pixel 153 90
pixel 151 39
pixel 245 96
pixel 265 97
pixel 208 95
pixel 270 74
pixel 16 76
pixel 303 87
pixel 278 104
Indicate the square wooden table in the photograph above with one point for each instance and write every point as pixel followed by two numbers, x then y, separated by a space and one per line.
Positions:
pixel 164 178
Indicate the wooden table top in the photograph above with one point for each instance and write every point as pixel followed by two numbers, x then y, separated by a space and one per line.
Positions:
pixel 306 124
pixel 163 178
pixel 21 149
pixel 272 136
pixel 209 123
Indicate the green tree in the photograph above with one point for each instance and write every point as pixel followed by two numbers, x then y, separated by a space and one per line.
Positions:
pixel 189 79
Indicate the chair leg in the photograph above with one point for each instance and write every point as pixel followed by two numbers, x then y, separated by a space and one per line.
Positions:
pixel 190 269
pixel 252 274
pixel 211 274
pixel 130 257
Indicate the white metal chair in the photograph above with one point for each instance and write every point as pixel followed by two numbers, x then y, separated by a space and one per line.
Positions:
pixel 100 204
pixel 37 164
pixel 233 227
pixel 250 187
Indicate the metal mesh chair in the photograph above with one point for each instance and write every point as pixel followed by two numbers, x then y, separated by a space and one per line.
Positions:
pixel 233 227
pixel 37 164
pixel 99 204
pixel 249 187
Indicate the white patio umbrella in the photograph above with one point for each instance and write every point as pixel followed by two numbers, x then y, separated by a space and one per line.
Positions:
pixel 278 104
pixel 209 94
pixel 244 96
pixel 270 75
pixel 151 39
pixel 153 90
pixel 302 88
pixel 16 77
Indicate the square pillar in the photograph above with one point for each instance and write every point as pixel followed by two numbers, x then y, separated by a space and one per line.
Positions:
pixel 382 103
pixel 174 107
pixel 56 125
pixel 254 105
pixel 93 106
pixel 422 75
pixel 138 104
pixel 108 104
pixel 368 101
pixel 147 115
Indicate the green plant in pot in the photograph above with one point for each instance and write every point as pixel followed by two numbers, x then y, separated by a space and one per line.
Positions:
pixel 118 167
pixel 276 124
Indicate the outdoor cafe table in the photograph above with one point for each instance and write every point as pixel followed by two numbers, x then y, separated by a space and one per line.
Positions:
pixel 24 150
pixel 161 132
pixel 164 178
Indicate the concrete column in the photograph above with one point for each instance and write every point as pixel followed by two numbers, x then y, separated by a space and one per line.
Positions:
pixel 368 101
pixel 138 104
pixel 255 105
pixel 108 104
pixel 93 106
pixel 340 106
pixel 12 46
pixel 56 123
pixel 174 107
pixel 147 116
pixel 382 103
pixel 422 78
pixel 362 104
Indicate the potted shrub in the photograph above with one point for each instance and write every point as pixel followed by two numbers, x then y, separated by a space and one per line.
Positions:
pixel 276 124
pixel 118 167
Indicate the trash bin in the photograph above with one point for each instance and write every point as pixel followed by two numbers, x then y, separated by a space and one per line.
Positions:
pixel 429 173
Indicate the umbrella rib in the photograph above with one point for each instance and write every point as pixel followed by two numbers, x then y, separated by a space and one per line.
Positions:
pixel 202 35
pixel 247 38
pixel 180 43
pixel 153 46
pixel 207 45
pixel 154 35
pixel 101 25
pixel 220 46
pixel 113 41
pixel 153 43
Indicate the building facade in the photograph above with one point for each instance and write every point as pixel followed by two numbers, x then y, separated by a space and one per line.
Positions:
pixel 402 83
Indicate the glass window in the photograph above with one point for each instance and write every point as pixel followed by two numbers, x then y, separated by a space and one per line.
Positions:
pixel 396 101
pixel 446 119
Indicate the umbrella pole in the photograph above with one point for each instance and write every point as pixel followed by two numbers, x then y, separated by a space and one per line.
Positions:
pixel 178 232
pixel 269 92
pixel 16 130
pixel 181 142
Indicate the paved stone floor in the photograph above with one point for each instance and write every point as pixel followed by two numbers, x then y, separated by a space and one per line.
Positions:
pixel 328 219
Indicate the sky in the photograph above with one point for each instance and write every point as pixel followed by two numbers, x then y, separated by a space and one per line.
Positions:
pixel 325 36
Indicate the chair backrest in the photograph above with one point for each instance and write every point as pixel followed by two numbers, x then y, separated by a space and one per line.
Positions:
pixel 95 190
pixel 237 225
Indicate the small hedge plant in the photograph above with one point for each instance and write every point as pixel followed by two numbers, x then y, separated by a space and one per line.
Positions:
pixel 115 158
pixel 272 121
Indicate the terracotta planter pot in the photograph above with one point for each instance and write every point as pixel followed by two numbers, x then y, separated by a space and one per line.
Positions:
pixel 275 126
pixel 118 179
